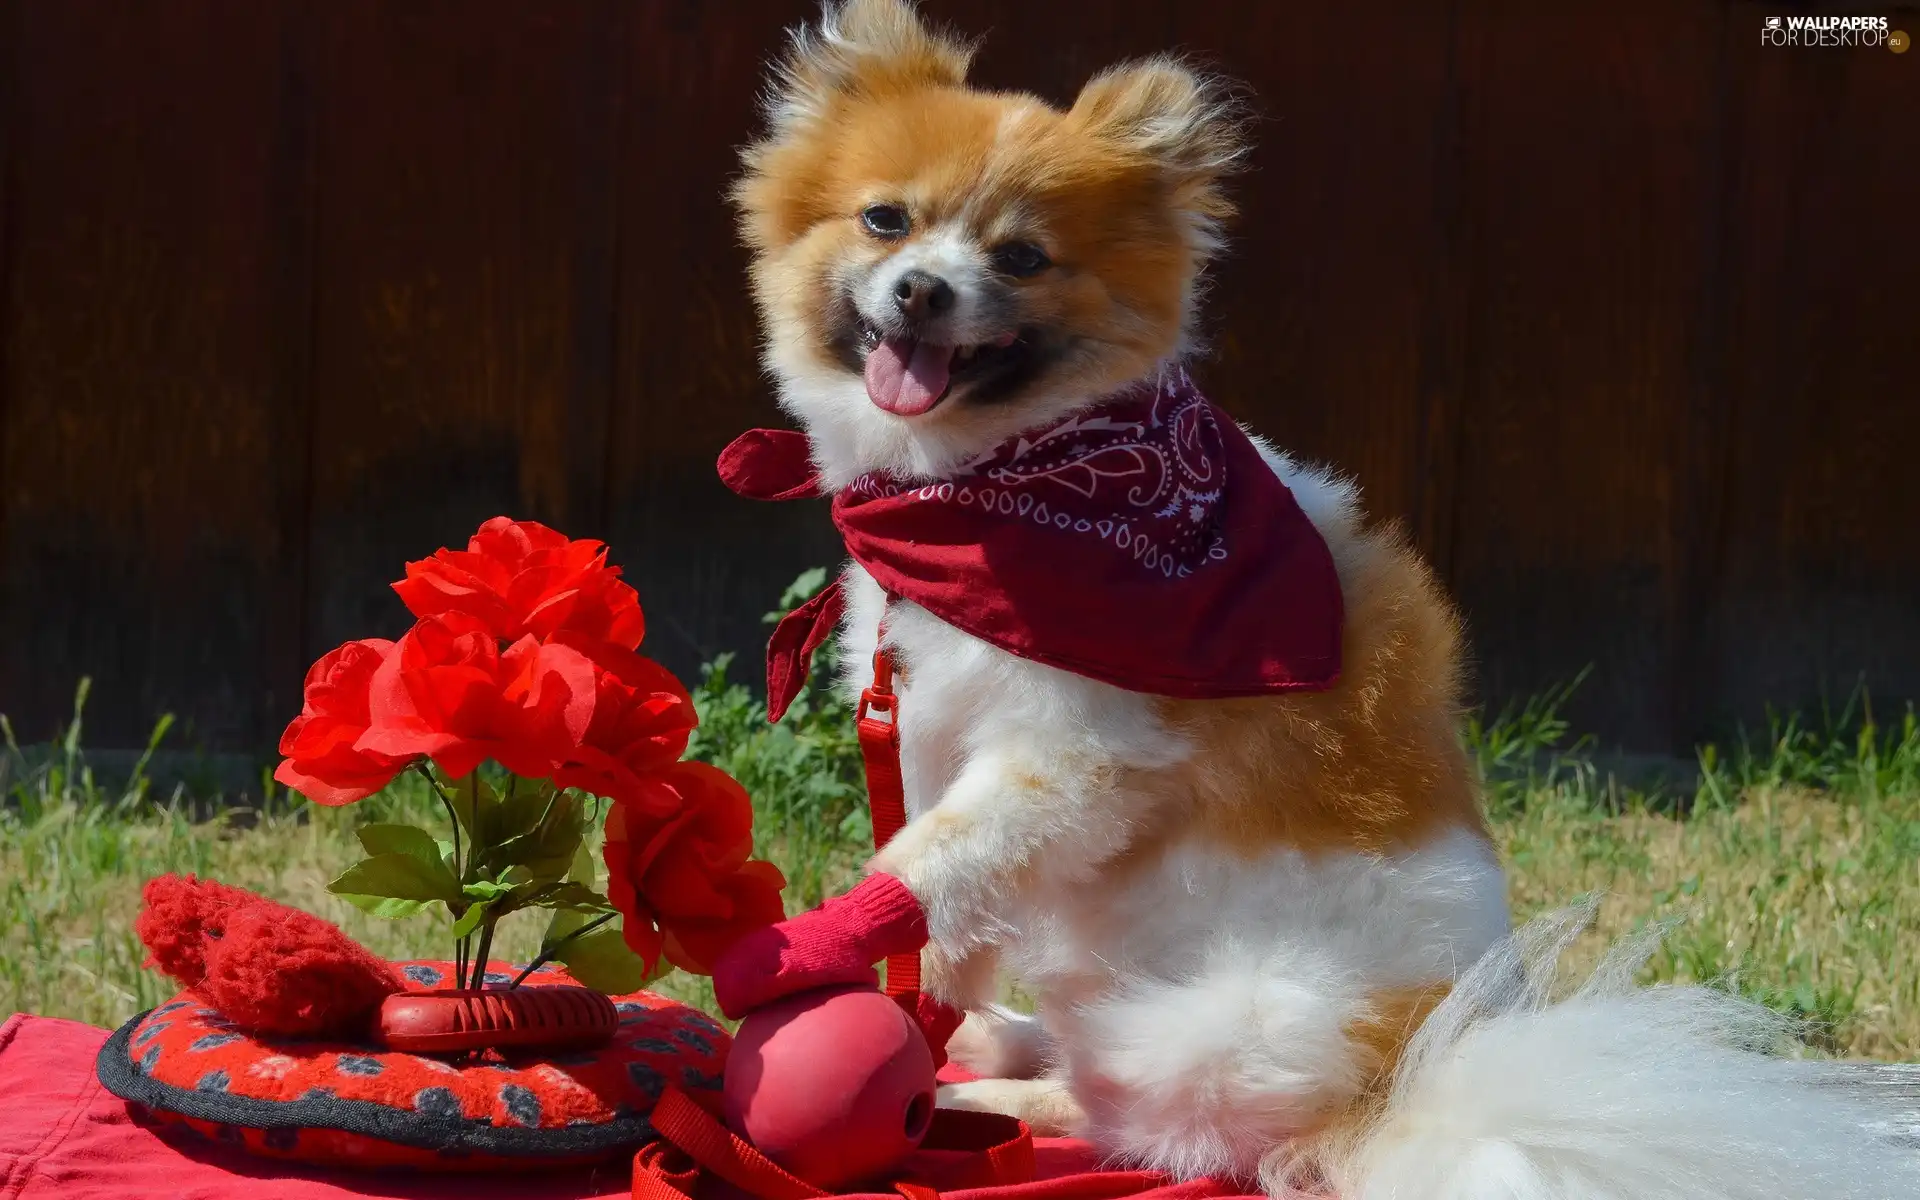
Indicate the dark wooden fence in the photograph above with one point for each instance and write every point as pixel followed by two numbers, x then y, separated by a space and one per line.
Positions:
pixel 1614 306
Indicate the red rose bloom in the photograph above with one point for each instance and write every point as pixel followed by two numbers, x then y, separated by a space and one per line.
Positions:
pixel 642 717
pixel 752 895
pixel 520 578
pixel 447 692
pixel 323 761
pixel 683 883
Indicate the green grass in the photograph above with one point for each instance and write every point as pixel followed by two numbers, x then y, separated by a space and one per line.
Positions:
pixel 1791 872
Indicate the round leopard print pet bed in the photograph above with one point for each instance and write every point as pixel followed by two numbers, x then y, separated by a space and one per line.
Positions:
pixel 344 1104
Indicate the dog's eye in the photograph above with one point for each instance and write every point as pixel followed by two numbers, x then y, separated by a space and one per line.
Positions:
pixel 886 220
pixel 1020 259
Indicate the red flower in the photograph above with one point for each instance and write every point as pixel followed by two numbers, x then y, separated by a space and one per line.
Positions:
pixel 683 882
pixel 752 895
pixel 641 719
pixel 447 692
pixel 324 762
pixel 520 578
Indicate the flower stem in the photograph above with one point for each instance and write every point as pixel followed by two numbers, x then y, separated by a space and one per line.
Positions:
pixel 552 795
pixel 546 955
pixel 479 972
pixel 459 869
pixel 459 872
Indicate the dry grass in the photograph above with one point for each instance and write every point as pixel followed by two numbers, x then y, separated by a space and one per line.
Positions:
pixel 1807 901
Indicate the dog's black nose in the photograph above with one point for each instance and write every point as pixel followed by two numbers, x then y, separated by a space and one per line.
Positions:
pixel 922 296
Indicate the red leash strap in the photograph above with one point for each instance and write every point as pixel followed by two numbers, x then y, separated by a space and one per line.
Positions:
pixel 1001 1149
pixel 880 747
pixel 887 799
pixel 693 1142
pixel 692 1131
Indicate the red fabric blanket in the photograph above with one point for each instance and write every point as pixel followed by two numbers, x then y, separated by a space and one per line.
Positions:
pixel 64 1137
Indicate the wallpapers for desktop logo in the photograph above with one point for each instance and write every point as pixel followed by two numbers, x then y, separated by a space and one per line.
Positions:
pixel 1830 32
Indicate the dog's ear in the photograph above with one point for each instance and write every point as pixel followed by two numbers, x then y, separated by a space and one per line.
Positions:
pixel 861 47
pixel 1189 124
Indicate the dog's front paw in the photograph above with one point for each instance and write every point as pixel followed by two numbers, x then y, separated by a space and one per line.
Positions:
pixel 963 979
pixel 1046 1105
pixel 999 1043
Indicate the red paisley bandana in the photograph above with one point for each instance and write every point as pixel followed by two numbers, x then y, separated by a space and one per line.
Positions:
pixel 1145 544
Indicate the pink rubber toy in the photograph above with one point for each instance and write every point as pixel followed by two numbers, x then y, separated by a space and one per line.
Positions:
pixel 835 1085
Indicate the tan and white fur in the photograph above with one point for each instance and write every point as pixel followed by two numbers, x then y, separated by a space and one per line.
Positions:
pixel 1267 937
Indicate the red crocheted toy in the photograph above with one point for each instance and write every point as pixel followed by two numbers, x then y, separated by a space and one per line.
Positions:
pixel 266 967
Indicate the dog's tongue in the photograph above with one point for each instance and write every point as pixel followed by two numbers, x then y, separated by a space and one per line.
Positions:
pixel 907 377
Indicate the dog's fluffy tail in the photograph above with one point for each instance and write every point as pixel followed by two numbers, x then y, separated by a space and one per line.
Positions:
pixel 1615 1093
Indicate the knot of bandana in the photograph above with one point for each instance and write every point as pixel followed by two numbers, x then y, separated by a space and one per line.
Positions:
pixel 1144 543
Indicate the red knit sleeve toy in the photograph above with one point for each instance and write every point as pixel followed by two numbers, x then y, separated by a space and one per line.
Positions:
pixel 266 967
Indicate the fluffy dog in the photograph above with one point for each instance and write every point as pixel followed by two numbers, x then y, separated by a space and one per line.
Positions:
pixel 1267 933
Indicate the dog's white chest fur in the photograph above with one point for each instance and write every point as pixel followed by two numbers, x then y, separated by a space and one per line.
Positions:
pixel 1157 971
pixel 962 700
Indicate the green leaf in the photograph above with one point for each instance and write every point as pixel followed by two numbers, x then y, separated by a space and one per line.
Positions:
pixel 798 592
pixel 489 818
pixel 494 884
pixel 485 891
pixel 547 849
pixel 601 959
pixel 573 897
pixel 563 923
pixel 518 813
pixel 386 907
pixel 468 797
pixel 401 839
pixel 398 877
pixel 586 866
pixel 470 920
